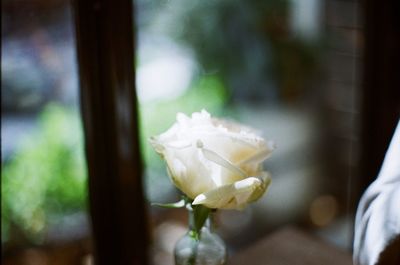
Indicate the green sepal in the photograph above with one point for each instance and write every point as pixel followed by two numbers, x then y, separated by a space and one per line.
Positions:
pixel 201 214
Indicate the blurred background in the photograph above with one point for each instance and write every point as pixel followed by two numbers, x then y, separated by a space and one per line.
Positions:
pixel 291 68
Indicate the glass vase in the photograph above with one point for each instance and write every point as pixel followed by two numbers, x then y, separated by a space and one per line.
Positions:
pixel 204 248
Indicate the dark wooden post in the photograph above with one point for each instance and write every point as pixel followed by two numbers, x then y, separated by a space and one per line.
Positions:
pixel 381 84
pixel 105 42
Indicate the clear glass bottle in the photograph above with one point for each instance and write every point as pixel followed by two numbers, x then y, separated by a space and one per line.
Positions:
pixel 205 249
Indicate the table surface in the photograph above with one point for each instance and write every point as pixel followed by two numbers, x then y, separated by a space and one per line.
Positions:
pixel 291 246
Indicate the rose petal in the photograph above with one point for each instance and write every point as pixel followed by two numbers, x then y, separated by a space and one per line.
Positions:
pixel 223 162
pixel 236 195
pixel 260 155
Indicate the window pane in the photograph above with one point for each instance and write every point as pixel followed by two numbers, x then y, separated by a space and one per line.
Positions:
pixel 44 212
pixel 286 68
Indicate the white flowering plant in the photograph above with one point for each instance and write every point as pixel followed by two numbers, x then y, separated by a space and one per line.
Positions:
pixel 216 163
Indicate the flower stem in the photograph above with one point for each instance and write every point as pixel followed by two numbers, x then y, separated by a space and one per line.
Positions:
pixel 199 214
pixel 195 247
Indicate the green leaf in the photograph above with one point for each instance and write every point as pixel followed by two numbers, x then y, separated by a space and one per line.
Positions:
pixel 174 205
pixel 200 216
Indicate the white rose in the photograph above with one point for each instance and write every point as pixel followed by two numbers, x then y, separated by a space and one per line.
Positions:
pixel 216 162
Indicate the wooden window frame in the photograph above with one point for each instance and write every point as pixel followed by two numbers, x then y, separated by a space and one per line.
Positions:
pixel 105 46
pixel 380 96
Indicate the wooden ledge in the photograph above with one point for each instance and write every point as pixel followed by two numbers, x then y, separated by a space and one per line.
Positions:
pixel 290 246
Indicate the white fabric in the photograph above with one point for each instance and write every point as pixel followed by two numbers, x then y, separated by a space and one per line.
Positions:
pixel 378 215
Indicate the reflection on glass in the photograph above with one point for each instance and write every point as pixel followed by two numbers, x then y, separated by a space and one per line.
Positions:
pixel 259 62
pixel 43 169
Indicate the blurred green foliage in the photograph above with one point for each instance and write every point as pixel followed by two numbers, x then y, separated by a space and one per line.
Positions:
pixel 46 177
pixel 250 44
